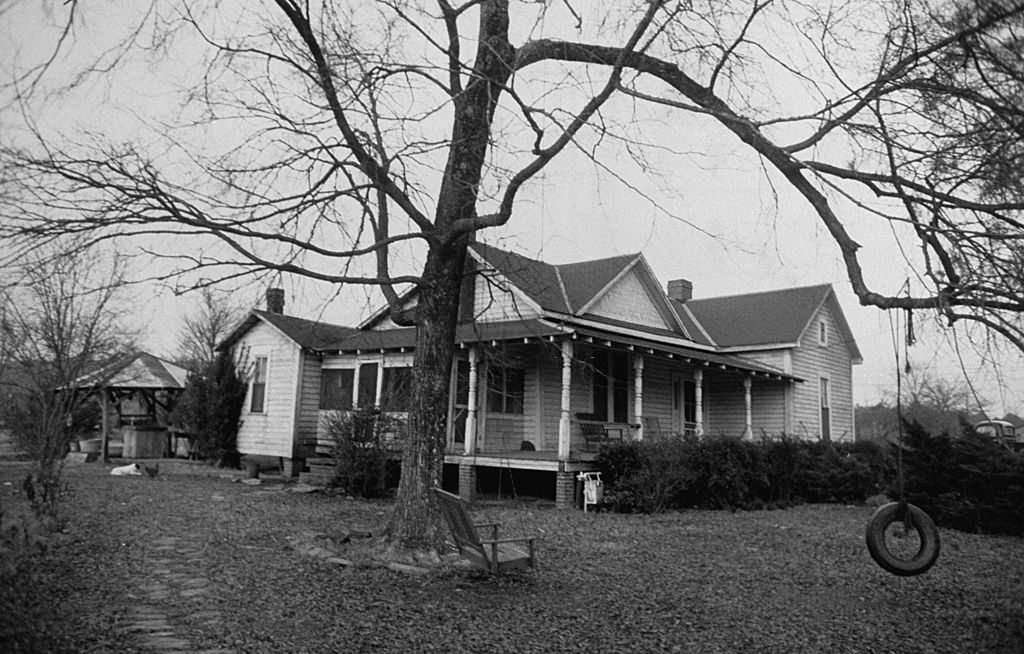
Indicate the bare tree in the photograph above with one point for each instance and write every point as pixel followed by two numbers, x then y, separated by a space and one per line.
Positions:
pixel 372 132
pixel 204 328
pixel 61 320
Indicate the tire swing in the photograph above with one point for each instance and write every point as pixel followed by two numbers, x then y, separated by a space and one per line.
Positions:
pixel 888 547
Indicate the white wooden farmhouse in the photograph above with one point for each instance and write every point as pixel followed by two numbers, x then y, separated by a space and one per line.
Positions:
pixel 555 359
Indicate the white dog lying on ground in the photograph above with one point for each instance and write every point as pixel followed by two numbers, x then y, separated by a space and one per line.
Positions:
pixel 130 469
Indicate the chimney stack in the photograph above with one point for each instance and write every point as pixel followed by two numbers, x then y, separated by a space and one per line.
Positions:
pixel 680 290
pixel 275 300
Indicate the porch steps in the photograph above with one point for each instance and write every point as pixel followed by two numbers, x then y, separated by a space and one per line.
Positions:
pixel 319 471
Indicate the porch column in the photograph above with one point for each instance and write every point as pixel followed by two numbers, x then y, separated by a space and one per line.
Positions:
pixel 749 431
pixel 698 383
pixel 564 433
pixel 638 395
pixel 469 442
pixel 105 432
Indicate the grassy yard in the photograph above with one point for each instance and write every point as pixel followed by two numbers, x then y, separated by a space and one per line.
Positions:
pixel 210 565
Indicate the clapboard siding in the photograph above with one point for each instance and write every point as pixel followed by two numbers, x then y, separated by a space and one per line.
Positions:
pixel 727 413
pixel 811 362
pixel 309 399
pixel 271 432
pixel 657 398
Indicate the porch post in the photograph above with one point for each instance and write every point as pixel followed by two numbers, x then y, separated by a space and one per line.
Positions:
pixel 105 432
pixel 698 382
pixel 564 433
pixel 749 431
pixel 469 442
pixel 638 395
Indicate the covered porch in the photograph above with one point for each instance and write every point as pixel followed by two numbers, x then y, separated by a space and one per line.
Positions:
pixel 549 402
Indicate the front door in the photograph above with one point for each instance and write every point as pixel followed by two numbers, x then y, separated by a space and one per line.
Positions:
pixel 684 404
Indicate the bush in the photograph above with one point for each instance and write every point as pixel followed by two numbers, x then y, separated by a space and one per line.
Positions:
pixel 970 483
pixel 722 472
pixel 210 408
pixel 360 450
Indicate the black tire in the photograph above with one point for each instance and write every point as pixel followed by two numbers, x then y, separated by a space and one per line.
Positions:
pixel 927 553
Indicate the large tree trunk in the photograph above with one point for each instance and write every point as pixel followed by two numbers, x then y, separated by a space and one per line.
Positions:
pixel 415 522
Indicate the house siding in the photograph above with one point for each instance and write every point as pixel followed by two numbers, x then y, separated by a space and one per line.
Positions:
pixel 307 421
pixel 812 361
pixel 272 432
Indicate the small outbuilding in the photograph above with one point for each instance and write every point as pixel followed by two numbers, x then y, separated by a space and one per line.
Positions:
pixel 136 395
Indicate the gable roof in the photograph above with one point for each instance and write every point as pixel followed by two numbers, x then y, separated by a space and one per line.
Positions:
pixel 564 288
pixel 768 318
pixel 310 334
pixel 140 370
pixel 573 288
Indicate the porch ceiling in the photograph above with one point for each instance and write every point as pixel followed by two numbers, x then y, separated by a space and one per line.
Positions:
pixel 680 353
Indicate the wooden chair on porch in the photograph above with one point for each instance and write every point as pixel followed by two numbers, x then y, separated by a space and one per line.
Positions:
pixel 494 554
pixel 596 432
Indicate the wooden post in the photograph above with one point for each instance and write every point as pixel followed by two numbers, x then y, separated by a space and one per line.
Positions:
pixel 469 442
pixel 698 382
pixel 105 432
pixel 638 395
pixel 564 433
pixel 749 431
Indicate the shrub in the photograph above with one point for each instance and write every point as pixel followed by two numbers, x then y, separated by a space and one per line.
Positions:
pixel 722 472
pixel 970 483
pixel 210 408
pixel 647 477
pixel 360 450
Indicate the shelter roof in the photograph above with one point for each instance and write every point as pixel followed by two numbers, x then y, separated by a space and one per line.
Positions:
pixel 140 370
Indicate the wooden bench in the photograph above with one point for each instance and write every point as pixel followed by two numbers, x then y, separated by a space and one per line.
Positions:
pixel 596 432
pixel 494 554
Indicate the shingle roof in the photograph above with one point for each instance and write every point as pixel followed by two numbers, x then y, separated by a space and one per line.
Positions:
pixel 138 371
pixel 565 288
pixel 759 318
pixel 307 333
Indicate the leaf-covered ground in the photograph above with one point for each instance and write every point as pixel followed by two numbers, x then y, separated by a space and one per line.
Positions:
pixel 199 563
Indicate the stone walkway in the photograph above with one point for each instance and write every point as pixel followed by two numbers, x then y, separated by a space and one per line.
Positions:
pixel 175 588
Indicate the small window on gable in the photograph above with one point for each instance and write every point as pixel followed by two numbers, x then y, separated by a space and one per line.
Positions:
pixel 822 332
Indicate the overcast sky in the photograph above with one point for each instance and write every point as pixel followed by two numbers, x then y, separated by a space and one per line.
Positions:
pixel 717 219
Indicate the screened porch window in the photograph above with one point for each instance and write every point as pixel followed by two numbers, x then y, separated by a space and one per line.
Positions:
pixel 396 387
pixel 336 389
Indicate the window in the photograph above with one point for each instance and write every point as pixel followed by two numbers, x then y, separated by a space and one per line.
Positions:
pixel 822 332
pixel 505 389
pixel 396 387
pixel 367 384
pixel 336 389
pixel 259 385
pixel 610 386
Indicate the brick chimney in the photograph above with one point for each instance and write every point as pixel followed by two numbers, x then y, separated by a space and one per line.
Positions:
pixel 680 290
pixel 275 300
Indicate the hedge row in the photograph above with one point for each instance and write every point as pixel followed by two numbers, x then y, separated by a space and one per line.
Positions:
pixel 722 472
pixel 971 483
